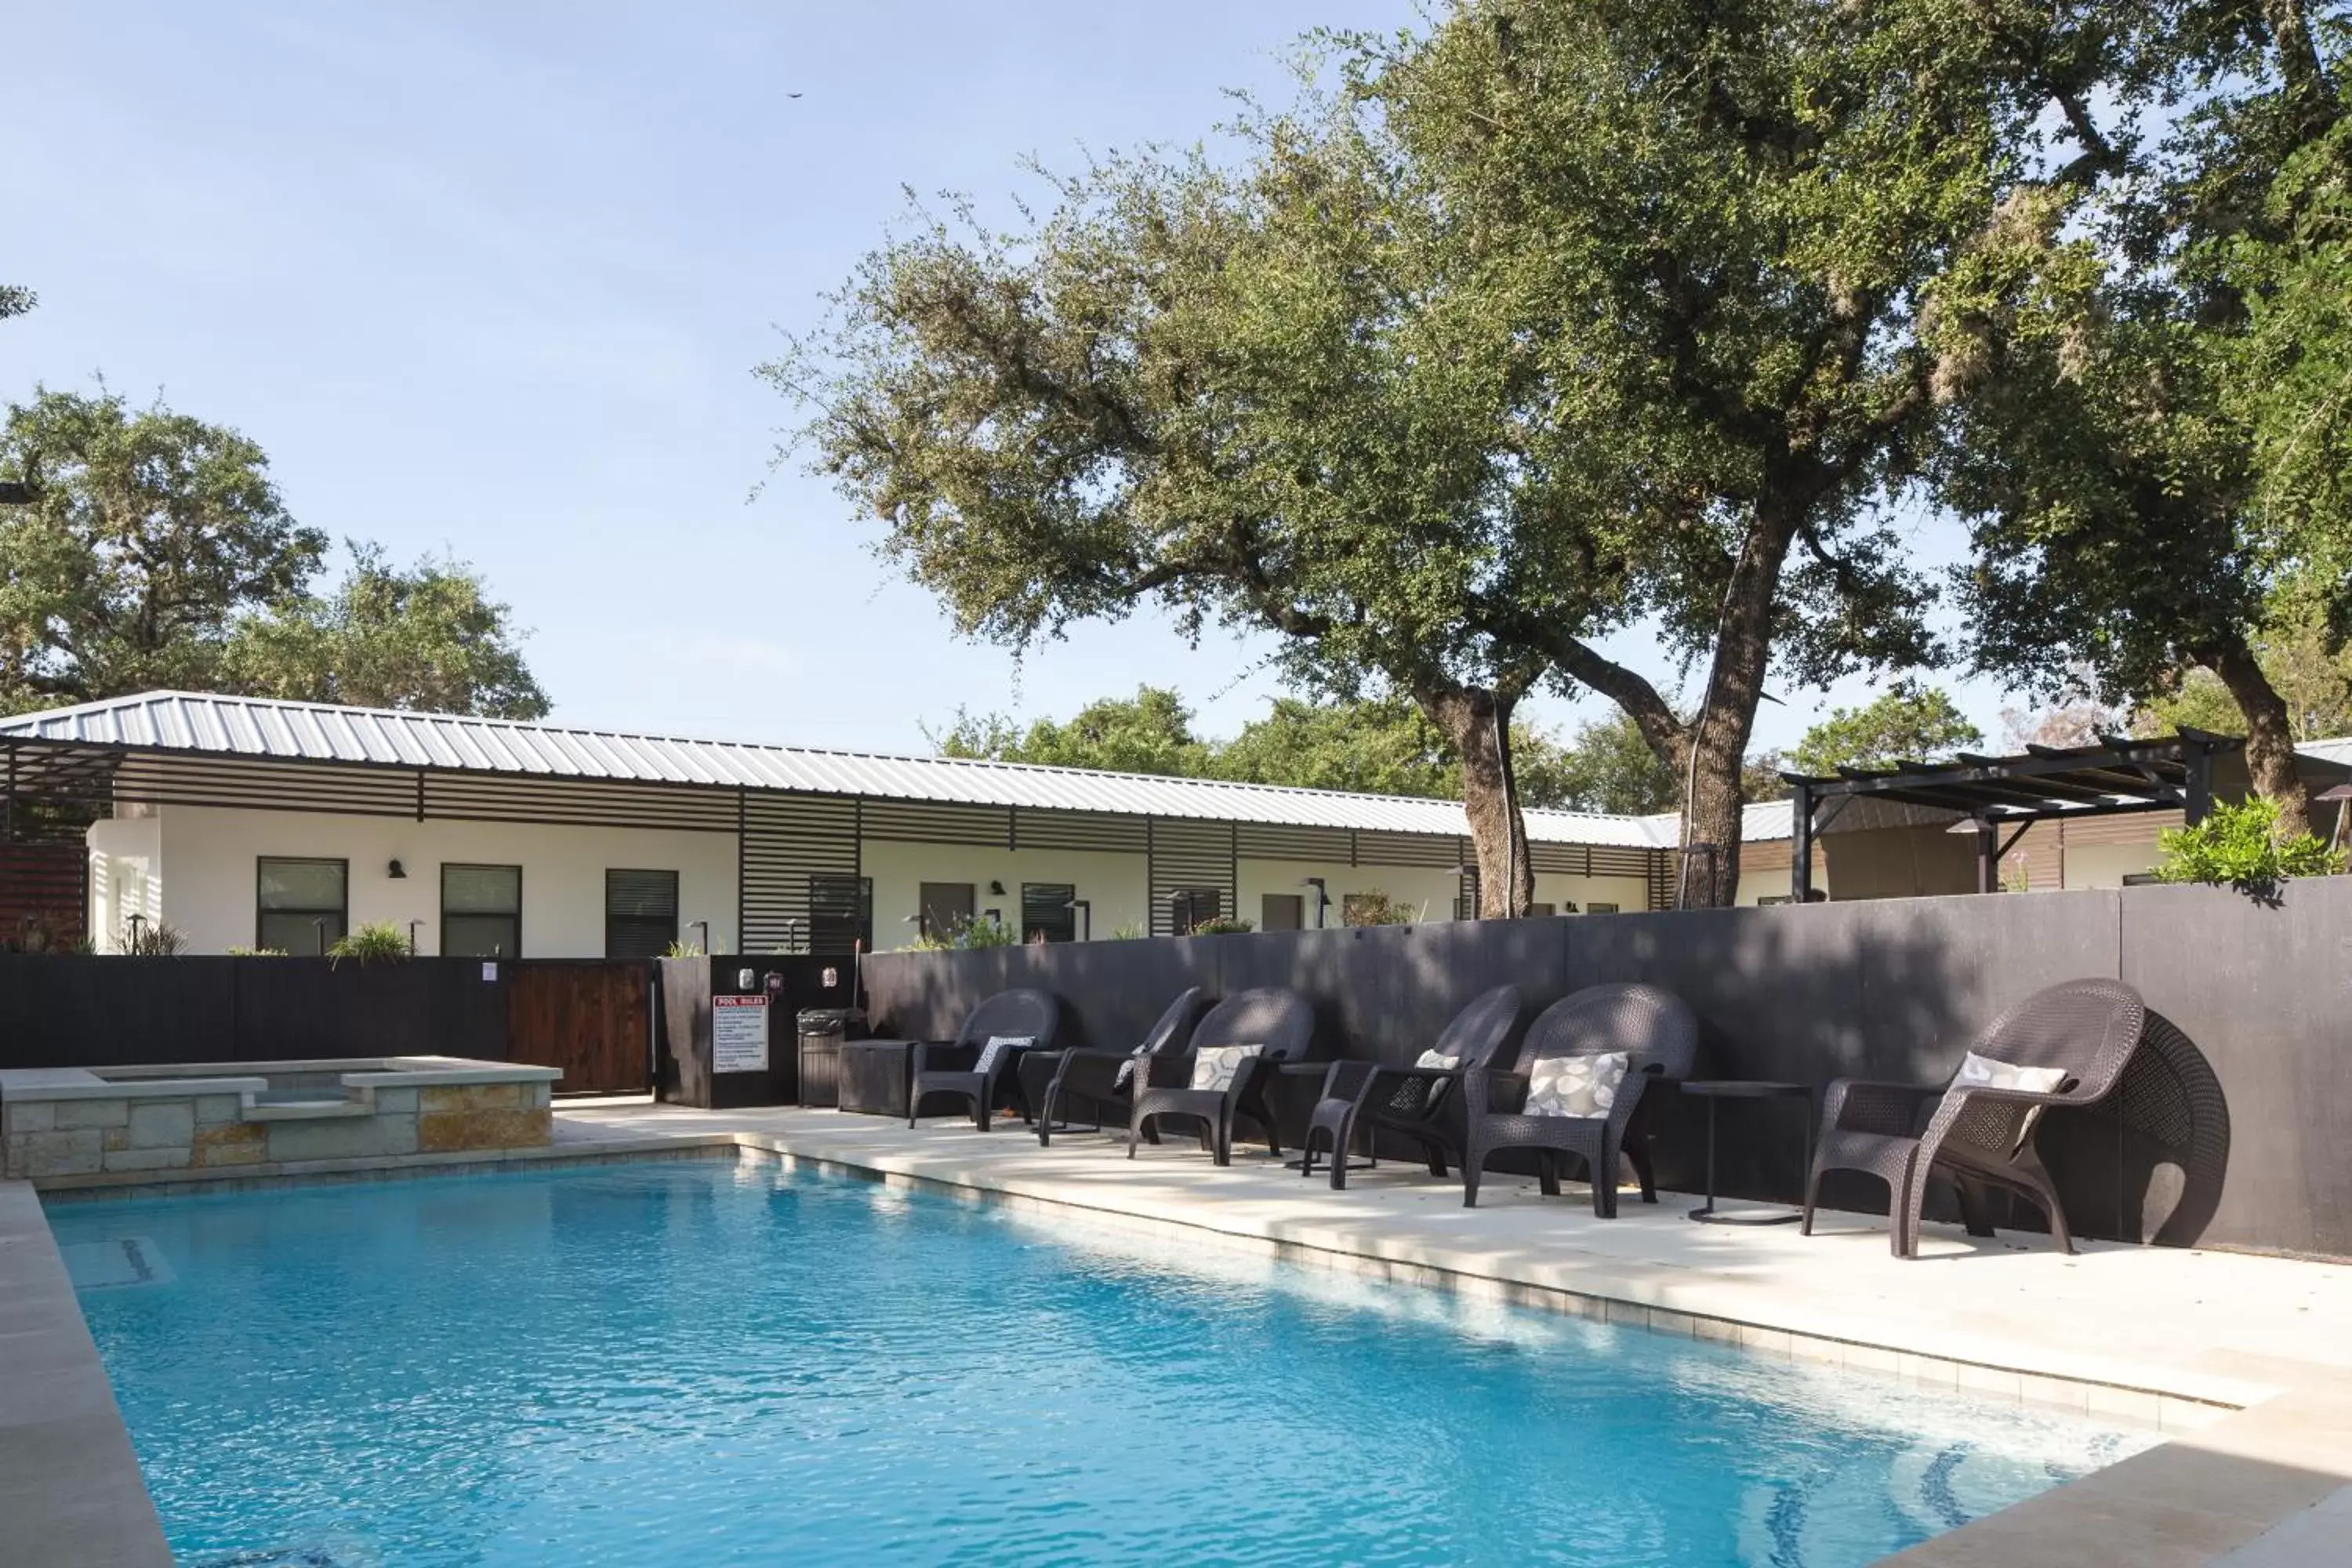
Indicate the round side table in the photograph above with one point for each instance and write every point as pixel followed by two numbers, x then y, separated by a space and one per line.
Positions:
pixel 1713 1090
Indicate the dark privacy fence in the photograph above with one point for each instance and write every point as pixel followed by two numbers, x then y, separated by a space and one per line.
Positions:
pixel 2232 1128
pixel 591 1018
pixel 67 1010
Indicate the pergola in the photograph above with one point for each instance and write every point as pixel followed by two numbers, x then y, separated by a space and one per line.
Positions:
pixel 2117 777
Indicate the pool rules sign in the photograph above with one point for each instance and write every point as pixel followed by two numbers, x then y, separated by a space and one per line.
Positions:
pixel 739 1034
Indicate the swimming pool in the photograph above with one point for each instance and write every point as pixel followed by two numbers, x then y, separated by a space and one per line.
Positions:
pixel 708 1362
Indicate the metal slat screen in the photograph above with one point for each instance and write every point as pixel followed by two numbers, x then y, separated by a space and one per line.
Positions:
pixel 1191 868
pixel 790 841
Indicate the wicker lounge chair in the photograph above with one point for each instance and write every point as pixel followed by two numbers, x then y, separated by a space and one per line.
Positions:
pixel 1104 1081
pixel 1980 1137
pixel 1281 1024
pixel 1659 1035
pixel 964 1066
pixel 1415 1102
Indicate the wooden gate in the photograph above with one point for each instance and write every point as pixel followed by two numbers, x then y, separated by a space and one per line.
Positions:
pixel 594 1019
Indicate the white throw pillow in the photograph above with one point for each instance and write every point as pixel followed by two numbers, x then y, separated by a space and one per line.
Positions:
pixel 1127 1069
pixel 1984 1072
pixel 1432 1059
pixel 1575 1086
pixel 997 1045
pixel 1215 1068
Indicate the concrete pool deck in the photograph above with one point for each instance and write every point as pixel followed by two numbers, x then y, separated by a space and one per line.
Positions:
pixel 2244 1363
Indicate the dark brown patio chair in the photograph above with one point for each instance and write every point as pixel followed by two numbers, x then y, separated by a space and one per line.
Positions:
pixel 1976 1135
pixel 1103 1082
pixel 1280 1023
pixel 1659 1035
pixel 1415 1102
pixel 969 1068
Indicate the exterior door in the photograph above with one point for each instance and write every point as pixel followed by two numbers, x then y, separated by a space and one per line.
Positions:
pixel 1281 911
pixel 945 906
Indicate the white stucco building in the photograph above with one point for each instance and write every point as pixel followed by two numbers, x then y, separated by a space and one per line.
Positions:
pixel 243 823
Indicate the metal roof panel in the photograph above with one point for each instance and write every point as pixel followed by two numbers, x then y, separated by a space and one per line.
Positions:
pixel 264 727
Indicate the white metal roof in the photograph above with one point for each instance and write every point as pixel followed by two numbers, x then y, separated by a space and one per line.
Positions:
pixel 204 724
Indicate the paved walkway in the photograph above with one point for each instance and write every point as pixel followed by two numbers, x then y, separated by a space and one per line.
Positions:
pixel 2179 1338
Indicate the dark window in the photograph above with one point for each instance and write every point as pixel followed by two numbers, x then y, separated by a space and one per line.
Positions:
pixel 1191 907
pixel 945 907
pixel 841 913
pixel 482 912
pixel 1281 911
pixel 1542 911
pixel 1045 912
pixel 304 905
pixel 640 913
pixel 1600 909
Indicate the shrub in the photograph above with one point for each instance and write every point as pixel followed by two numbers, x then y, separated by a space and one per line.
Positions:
pixel 2238 847
pixel 1128 934
pixel 154 940
pixel 379 942
pixel 684 950
pixel 1375 907
pixel 1222 925
pixel 972 931
pixel 257 953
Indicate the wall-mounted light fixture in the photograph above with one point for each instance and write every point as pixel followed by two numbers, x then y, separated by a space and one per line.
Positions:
pixel 704 927
pixel 996 889
pixel 1086 918
pixel 1322 898
pixel 397 872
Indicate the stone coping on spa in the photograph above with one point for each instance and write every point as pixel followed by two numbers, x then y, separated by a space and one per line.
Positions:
pixel 60 1127
pixel 144 1081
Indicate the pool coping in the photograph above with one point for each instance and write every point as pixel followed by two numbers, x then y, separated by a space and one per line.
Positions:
pixel 2253 1476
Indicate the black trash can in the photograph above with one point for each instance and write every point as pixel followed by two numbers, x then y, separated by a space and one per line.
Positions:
pixel 822 1031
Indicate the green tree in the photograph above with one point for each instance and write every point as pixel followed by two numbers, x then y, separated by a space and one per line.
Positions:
pixel 1247 395
pixel 1905 722
pixel 1608 765
pixel 2127 368
pixel 1151 732
pixel 143 536
pixel 1721 227
pixel 1563 315
pixel 15 301
pixel 1375 745
pixel 429 637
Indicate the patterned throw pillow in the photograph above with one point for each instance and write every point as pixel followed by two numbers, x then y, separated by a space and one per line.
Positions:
pixel 1125 1072
pixel 1575 1086
pixel 1432 1059
pixel 997 1045
pixel 1214 1066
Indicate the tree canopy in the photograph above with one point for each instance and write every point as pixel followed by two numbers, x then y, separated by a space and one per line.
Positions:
pixel 428 637
pixel 1383 746
pixel 1904 724
pixel 146 535
pixel 2147 375
pixel 148 549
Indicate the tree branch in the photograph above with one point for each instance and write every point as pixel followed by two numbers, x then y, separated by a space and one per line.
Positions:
pixel 1629 689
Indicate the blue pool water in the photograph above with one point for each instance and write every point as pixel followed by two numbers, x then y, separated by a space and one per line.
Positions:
pixel 710 1363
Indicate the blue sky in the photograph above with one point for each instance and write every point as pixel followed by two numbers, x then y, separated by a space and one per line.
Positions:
pixel 493 279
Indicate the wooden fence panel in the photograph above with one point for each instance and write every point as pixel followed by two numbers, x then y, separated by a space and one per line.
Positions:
pixel 592 1019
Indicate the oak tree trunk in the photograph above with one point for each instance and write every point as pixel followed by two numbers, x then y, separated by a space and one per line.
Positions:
pixel 2270 736
pixel 1478 724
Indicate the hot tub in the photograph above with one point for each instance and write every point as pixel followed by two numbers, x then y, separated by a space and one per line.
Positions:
pixel 88 1126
